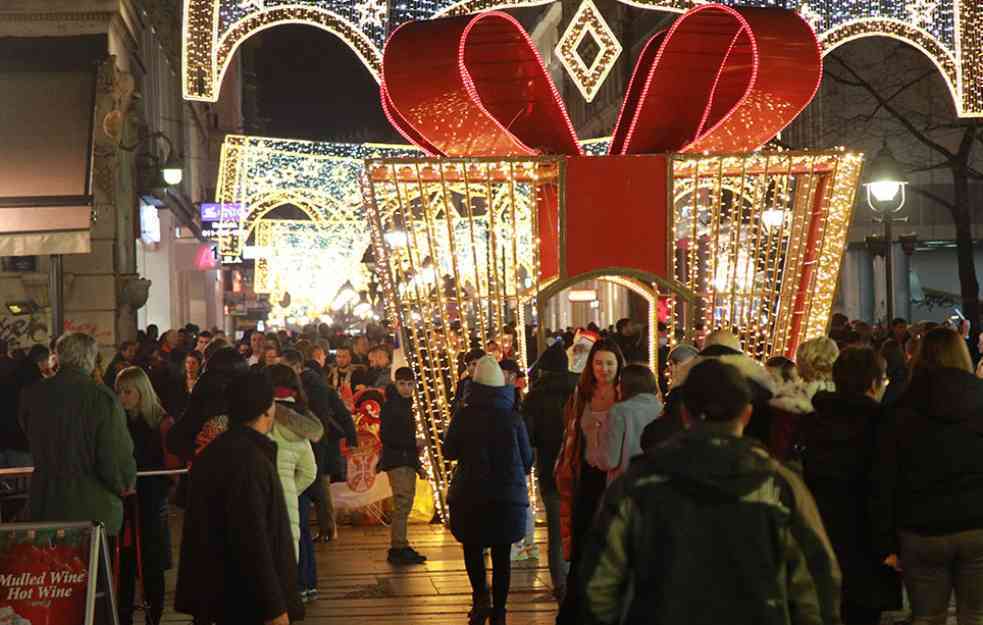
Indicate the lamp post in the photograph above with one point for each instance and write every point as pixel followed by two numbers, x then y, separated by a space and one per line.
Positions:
pixel 886 197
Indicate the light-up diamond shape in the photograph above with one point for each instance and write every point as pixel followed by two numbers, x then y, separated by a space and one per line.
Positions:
pixel 588 22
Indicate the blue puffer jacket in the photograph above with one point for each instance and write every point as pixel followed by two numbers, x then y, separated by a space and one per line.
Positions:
pixel 489 441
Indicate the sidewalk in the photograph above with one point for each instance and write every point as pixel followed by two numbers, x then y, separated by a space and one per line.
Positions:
pixel 358 586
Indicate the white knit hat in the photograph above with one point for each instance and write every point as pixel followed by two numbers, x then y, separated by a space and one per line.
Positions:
pixel 488 373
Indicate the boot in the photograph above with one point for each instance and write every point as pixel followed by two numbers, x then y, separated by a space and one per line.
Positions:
pixel 480 609
pixel 498 617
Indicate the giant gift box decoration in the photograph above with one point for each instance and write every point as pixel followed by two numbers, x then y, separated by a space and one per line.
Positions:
pixel 507 207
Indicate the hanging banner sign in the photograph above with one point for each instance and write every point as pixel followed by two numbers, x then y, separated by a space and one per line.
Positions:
pixel 49 575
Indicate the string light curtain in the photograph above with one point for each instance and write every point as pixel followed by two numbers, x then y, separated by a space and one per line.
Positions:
pixel 457 247
pixel 760 238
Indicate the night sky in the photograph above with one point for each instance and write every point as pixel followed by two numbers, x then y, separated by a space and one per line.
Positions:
pixel 311 85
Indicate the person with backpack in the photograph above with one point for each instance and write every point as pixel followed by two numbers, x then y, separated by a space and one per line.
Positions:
pixel 708 528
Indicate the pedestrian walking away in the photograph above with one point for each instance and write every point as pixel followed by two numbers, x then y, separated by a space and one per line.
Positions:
pixel 488 495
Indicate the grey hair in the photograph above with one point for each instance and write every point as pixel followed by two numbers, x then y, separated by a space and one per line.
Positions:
pixel 78 350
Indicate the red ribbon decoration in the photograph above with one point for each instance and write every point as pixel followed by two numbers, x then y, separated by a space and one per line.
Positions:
pixel 719 80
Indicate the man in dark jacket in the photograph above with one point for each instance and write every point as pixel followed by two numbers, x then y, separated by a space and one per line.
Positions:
pixel 83 454
pixel 709 529
pixel 401 462
pixel 838 445
pixel 327 406
pixel 237 555
pixel 14 448
pixel 543 412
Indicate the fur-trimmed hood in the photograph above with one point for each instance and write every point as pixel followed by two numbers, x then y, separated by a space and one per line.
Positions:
pixel 789 397
pixel 299 425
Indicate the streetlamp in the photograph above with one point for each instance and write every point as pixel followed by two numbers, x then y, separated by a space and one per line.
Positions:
pixel 172 169
pixel 886 196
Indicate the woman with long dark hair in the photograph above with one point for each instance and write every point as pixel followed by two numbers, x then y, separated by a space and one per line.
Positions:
pixel 928 496
pixel 581 485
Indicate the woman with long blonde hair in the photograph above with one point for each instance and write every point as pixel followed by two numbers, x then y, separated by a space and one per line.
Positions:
pixel 148 423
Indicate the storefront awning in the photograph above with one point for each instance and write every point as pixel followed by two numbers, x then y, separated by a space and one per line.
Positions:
pixel 35 226
pixel 47 100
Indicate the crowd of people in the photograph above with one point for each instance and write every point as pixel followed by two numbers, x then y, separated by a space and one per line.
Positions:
pixel 814 489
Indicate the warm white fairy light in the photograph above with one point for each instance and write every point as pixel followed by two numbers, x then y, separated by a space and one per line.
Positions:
pixel 748 265
pixel 588 22
pixel 947 31
pixel 322 179
pixel 456 245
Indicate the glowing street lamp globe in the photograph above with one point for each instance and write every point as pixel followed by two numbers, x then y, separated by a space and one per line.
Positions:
pixel 172 172
pixel 885 183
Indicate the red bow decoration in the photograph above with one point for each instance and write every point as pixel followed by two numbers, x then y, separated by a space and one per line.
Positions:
pixel 719 80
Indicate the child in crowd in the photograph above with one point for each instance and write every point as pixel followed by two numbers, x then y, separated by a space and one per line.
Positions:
pixel 401 461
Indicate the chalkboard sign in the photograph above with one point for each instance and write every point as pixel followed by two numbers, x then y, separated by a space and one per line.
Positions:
pixel 56 574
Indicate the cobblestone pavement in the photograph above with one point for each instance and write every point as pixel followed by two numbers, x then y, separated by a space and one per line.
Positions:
pixel 358 587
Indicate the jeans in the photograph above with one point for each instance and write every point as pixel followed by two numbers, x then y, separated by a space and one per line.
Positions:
pixel 934 566
pixel 474 562
pixel 403 483
pixel 306 565
pixel 559 568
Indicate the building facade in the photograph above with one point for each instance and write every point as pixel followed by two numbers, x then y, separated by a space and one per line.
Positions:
pixel 92 114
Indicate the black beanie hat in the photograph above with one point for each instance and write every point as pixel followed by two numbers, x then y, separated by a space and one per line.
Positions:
pixel 248 395
pixel 554 359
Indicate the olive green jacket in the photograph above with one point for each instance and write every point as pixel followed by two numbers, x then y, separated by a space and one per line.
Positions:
pixel 83 453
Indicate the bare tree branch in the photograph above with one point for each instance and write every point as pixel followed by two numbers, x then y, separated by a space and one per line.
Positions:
pixel 887 106
pixel 938 199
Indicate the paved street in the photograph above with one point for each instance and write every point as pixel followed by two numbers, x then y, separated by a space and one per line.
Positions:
pixel 358 586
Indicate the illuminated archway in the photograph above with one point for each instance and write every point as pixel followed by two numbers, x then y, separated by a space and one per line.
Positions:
pixel 648 285
pixel 322 179
pixel 212 36
pixel 916 37
pixel 947 31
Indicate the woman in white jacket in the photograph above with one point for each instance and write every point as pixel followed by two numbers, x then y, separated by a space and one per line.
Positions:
pixel 293 430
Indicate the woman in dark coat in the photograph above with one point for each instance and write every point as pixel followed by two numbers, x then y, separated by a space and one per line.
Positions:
pixel 543 410
pixel 839 449
pixel 148 423
pixel 928 506
pixel 207 411
pixel 488 496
